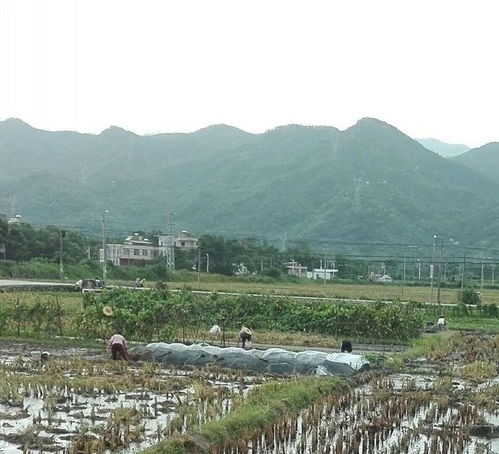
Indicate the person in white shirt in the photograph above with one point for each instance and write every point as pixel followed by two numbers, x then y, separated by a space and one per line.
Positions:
pixel 117 345
pixel 215 332
pixel 441 322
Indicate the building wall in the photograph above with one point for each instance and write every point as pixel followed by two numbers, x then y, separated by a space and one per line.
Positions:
pixel 132 254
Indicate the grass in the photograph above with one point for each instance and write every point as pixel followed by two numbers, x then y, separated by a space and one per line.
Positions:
pixel 479 371
pixel 264 406
pixel 432 346
pixel 331 290
pixel 470 356
pixel 69 300
pixel 489 325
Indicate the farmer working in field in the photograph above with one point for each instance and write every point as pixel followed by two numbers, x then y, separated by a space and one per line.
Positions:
pixel 245 336
pixel 346 346
pixel 117 344
pixel 215 332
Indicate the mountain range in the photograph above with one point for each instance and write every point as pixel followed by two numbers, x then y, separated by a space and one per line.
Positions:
pixel 367 184
pixel 447 150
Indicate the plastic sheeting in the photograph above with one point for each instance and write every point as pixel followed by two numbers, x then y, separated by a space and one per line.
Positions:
pixel 274 360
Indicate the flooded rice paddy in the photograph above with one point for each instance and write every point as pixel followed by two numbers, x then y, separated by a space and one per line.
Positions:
pixel 74 405
pixel 399 414
pixel 80 402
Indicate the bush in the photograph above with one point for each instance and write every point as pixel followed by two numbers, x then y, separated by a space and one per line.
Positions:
pixel 469 296
pixel 143 315
pixel 274 273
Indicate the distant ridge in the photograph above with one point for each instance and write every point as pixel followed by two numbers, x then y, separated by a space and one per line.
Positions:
pixel 484 159
pixel 447 150
pixel 370 183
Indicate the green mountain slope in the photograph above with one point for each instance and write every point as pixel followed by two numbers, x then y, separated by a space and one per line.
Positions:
pixel 370 183
pixel 484 159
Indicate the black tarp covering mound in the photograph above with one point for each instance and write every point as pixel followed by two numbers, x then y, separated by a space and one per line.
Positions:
pixel 274 360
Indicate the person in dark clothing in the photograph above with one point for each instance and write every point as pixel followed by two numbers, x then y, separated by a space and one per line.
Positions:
pixel 346 346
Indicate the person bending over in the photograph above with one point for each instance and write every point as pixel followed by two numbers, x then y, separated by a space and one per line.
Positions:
pixel 117 345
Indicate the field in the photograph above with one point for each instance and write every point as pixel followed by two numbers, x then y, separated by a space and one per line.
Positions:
pixel 440 396
pixel 434 393
pixel 390 292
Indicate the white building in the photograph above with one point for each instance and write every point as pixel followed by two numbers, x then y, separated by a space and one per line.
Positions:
pixel 17 219
pixel 3 251
pixel 185 240
pixel 137 250
pixel 318 273
pixel 134 251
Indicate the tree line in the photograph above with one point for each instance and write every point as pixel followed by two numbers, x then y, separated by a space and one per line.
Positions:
pixel 216 254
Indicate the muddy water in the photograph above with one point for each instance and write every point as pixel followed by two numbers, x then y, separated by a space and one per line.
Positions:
pixel 57 419
pixel 67 417
pixel 52 419
pixel 400 414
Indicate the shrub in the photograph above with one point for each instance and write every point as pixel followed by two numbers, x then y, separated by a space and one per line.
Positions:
pixel 469 296
pixel 145 314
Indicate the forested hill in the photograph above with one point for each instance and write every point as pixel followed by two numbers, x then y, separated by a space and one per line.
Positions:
pixel 369 183
pixel 484 159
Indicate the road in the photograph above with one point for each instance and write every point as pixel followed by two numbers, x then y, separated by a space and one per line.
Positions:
pixel 23 283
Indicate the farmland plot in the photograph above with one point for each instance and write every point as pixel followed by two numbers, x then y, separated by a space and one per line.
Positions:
pixel 73 405
pixel 389 415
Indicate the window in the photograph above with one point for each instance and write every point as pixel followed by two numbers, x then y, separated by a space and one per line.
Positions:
pixel 182 244
pixel 136 252
pixel 144 252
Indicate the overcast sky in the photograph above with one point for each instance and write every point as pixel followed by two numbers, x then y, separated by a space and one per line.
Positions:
pixel 430 68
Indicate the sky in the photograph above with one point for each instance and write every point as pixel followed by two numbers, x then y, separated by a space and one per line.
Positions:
pixel 430 68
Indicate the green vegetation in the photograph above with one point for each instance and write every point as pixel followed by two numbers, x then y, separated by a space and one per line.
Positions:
pixel 479 370
pixel 159 314
pixel 484 159
pixel 145 314
pixel 265 406
pixel 473 357
pixel 432 346
pixel 371 182
pixel 469 296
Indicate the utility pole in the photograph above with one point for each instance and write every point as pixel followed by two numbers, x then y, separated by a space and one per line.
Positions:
pixel 493 268
pixel 104 248
pixel 207 262
pixel 419 269
pixel 62 234
pixel 171 243
pixel 440 268
pixel 481 275
pixel 432 268
pixel 462 274
pixel 284 239
pixel 403 277
pixel 199 263
pixel 325 267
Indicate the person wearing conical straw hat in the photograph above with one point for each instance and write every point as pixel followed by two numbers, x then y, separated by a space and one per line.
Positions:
pixel 117 345
pixel 245 335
